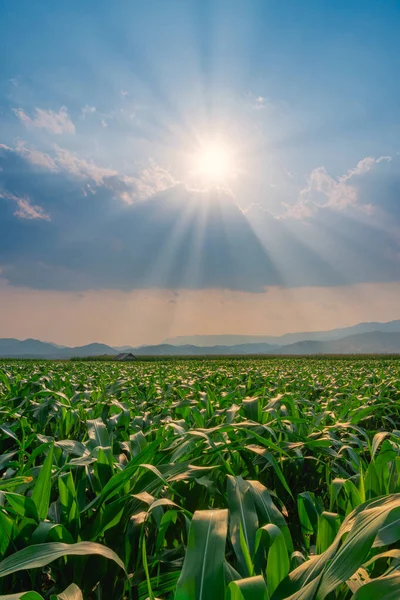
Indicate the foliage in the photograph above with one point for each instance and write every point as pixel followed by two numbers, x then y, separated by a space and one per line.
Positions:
pixel 186 480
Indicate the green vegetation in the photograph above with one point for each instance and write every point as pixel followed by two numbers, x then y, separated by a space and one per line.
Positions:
pixel 200 480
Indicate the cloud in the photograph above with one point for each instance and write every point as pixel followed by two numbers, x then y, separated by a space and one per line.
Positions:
pixel 260 102
pixel 111 230
pixel 339 230
pixel 36 157
pixel 87 110
pixel 348 190
pixel 172 239
pixel 28 211
pixel 151 180
pixel 55 122
pixel 81 168
pixel 25 209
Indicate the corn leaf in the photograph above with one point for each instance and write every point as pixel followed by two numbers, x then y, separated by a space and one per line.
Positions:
pixel 202 575
pixel 40 555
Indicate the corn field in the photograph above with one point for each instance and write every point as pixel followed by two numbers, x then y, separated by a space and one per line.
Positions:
pixel 260 479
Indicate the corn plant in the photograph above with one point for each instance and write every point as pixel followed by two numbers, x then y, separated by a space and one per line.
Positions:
pixel 251 478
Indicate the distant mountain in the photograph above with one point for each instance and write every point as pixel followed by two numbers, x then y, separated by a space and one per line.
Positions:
pixel 12 348
pixel 287 338
pixel 123 348
pixel 88 350
pixel 191 350
pixel 370 342
pixel 376 342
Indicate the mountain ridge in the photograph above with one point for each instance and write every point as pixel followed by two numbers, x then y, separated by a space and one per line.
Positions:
pixel 366 342
pixel 287 338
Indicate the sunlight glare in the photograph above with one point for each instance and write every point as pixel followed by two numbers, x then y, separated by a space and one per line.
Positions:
pixel 214 163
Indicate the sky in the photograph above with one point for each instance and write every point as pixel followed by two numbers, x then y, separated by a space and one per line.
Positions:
pixel 178 167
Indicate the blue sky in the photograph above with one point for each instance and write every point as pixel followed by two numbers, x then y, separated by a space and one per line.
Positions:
pixel 216 151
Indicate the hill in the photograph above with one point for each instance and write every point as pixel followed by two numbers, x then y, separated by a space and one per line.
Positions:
pixel 287 338
pixel 191 350
pixel 12 348
pixel 377 342
pixel 374 342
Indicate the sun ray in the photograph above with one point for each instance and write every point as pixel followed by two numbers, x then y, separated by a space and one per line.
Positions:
pixel 213 163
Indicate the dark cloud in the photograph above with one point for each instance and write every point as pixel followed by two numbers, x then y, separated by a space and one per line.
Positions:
pixel 178 238
pixel 94 238
pixel 343 230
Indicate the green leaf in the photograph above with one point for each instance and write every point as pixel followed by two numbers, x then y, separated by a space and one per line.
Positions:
pixel 121 478
pixel 40 555
pixel 273 462
pixel 252 409
pixel 245 551
pixel 394 553
pixel 22 596
pixel 68 502
pixel 7 531
pixel 42 489
pixel 327 571
pixel 252 588
pixel 242 519
pixel 371 482
pixel 384 588
pixel 378 439
pixel 202 575
pixel 22 505
pixel 308 516
pixel 103 466
pixel 308 512
pixel 5 459
pixel 268 512
pixel 278 563
pixel 137 442
pixel 357 544
pixel 98 434
pixel 14 482
pixel 328 526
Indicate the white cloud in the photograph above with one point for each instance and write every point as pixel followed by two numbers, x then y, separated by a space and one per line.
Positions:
pixel 36 157
pixel 260 102
pixel 64 160
pixel 28 211
pixel 150 181
pixel 80 167
pixel 325 191
pixel 55 122
pixel 25 209
pixel 87 110
pixel 365 165
pixel 155 179
pixel 129 188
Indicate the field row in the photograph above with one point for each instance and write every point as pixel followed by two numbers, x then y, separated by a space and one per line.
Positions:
pixel 187 480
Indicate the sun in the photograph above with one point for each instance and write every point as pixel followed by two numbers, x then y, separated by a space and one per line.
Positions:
pixel 214 163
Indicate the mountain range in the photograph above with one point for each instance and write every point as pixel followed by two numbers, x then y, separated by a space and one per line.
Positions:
pixel 287 338
pixel 363 338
